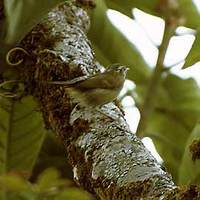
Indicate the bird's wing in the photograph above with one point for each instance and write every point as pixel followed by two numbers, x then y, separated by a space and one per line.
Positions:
pixel 102 81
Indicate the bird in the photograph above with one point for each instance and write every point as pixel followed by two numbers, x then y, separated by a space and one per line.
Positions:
pixel 96 90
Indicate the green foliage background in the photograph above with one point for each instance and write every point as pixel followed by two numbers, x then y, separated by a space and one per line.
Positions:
pixel 173 124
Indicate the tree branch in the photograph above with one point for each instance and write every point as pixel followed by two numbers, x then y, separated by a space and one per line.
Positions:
pixel 107 159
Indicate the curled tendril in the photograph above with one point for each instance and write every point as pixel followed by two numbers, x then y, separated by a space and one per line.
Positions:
pixel 8 94
pixel 12 51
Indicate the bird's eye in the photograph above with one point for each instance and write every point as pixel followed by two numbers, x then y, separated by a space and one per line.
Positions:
pixel 121 68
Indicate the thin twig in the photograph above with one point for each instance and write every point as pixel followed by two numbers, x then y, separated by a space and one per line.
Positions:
pixel 154 83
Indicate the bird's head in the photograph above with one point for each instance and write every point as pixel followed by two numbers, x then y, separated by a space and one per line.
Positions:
pixel 118 68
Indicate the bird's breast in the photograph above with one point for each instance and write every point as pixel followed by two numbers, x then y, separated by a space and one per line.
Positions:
pixel 98 97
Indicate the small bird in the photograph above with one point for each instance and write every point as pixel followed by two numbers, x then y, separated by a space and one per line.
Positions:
pixel 96 90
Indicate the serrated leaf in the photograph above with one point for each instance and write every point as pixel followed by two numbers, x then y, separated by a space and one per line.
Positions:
pixel 111 46
pixel 194 55
pixel 22 15
pixel 22 133
pixel 189 172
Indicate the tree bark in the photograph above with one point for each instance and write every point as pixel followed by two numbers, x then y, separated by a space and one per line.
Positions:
pixel 108 160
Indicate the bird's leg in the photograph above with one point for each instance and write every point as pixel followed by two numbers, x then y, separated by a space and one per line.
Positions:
pixel 105 114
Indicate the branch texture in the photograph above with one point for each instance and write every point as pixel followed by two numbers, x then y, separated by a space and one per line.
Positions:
pixel 107 158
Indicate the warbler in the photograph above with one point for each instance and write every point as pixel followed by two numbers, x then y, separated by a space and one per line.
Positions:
pixel 96 90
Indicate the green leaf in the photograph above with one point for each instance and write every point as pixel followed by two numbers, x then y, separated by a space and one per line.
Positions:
pixel 111 46
pixel 22 15
pixel 13 183
pixel 12 186
pixel 183 94
pixel 189 172
pixel 194 55
pixel 48 179
pixel 22 133
pixel 169 136
pixel 176 113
